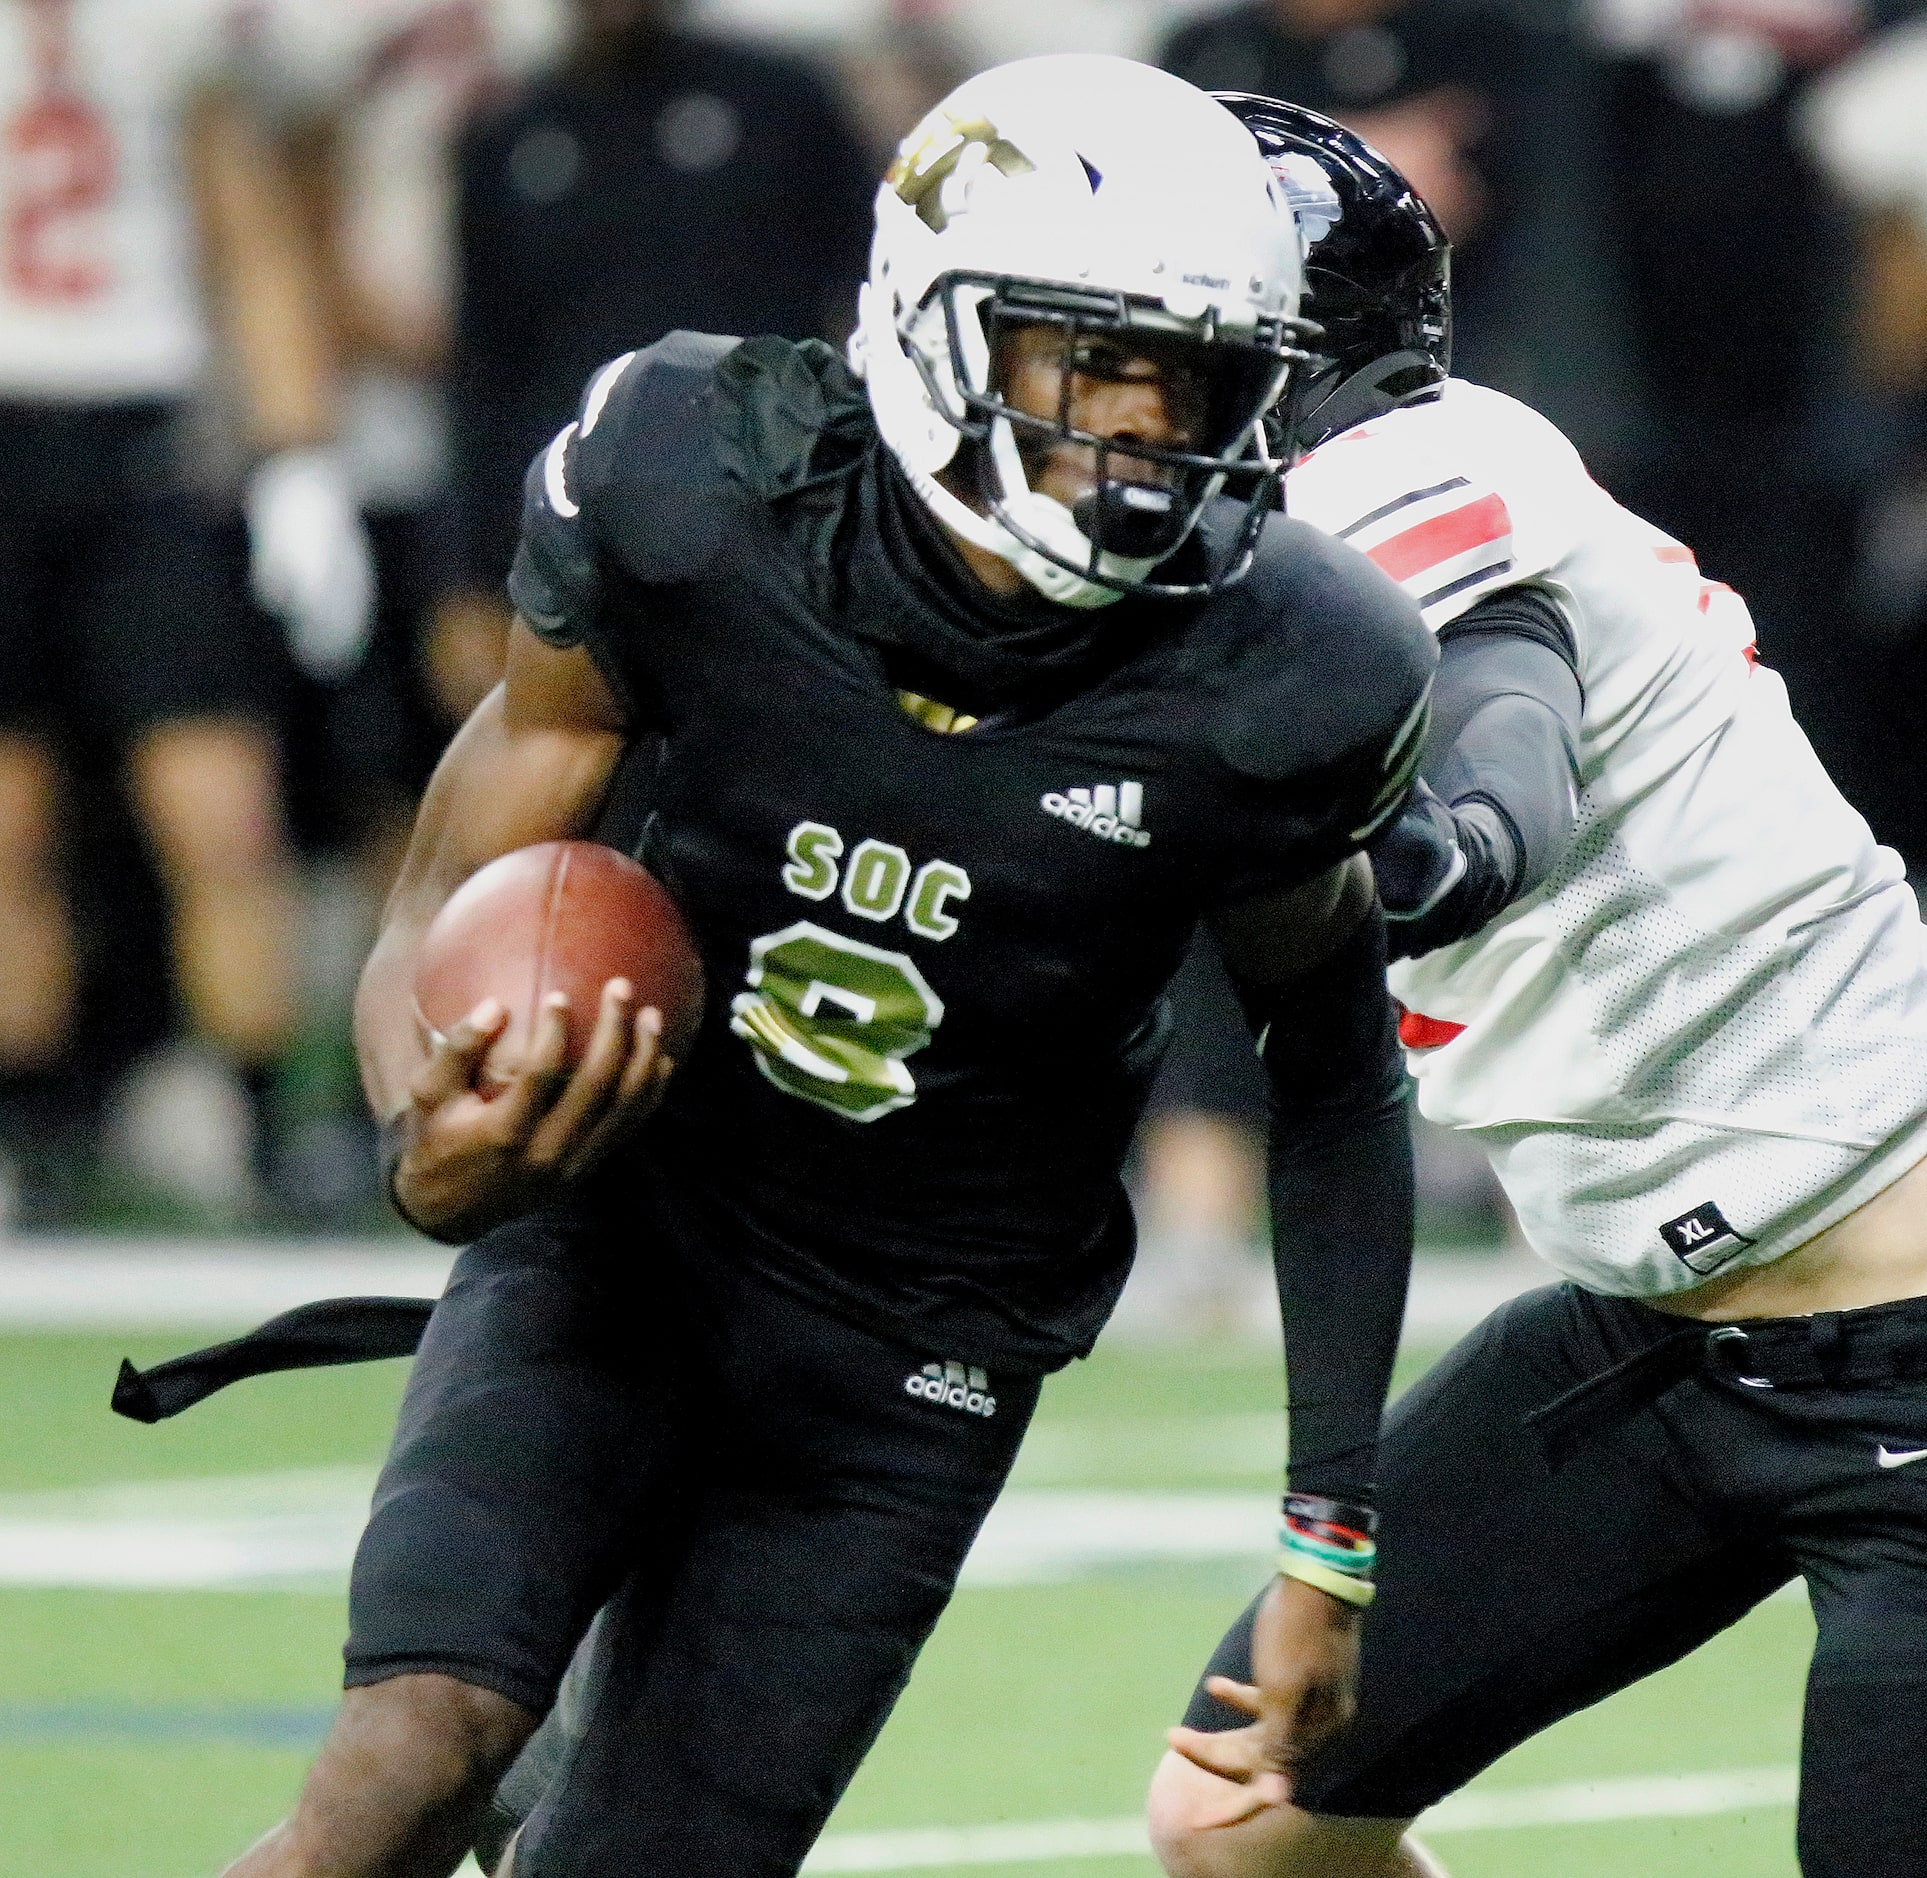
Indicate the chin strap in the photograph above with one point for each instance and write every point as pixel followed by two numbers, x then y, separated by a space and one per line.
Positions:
pixel 1039 516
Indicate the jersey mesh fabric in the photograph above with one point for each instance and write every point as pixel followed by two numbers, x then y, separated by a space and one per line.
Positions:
pixel 1720 996
pixel 1587 1197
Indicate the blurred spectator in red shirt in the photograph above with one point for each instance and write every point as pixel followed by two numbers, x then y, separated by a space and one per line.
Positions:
pixel 147 242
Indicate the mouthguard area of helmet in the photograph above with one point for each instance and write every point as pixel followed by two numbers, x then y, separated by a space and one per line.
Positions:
pixel 1146 498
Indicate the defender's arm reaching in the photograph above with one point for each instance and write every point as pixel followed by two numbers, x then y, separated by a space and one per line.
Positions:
pixel 1503 773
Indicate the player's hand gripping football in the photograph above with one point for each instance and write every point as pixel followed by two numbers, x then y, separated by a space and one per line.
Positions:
pixel 1304 1654
pixel 475 1153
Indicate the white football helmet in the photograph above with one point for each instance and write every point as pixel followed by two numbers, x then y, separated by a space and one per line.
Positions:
pixel 1102 196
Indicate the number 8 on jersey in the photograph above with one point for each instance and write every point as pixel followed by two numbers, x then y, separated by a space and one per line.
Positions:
pixel 832 1019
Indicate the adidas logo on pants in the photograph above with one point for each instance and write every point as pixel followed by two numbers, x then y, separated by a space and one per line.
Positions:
pixel 951 1385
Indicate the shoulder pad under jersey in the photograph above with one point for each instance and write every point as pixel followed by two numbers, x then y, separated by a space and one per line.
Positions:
pixel 1329 679
pixel 633 485
pixel 1454 498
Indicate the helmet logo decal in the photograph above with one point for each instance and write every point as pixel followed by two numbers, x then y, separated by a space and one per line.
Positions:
pixel 943 148
pixel 1308 189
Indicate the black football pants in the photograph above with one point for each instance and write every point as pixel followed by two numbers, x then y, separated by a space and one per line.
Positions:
pixel 772 1517
pixel 1512 1593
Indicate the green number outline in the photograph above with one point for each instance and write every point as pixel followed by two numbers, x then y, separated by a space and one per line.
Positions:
pixel 851 1063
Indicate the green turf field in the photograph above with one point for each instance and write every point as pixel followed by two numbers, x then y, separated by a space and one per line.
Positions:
pixel 151 1733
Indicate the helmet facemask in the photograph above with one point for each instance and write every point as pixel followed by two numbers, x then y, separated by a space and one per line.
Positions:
pixel 1146 498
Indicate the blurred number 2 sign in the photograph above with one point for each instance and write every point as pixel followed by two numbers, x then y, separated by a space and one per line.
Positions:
pixel 60 167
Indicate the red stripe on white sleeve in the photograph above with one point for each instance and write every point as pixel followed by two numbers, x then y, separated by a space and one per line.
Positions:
pixel 1419 1032
pixel 1458 531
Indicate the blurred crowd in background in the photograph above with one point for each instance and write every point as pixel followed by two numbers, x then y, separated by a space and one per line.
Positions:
pixel 292 290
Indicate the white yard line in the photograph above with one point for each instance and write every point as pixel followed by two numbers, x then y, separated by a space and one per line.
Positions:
pixel 298 1530
pixel 1630 1796
pixel 245 1532
pixel 157 1284
pixel 1570 1803
pixel 979 1845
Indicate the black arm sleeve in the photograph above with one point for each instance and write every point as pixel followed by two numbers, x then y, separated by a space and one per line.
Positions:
pixel 1506 712
pixel 1502 753
pixel 1340 1188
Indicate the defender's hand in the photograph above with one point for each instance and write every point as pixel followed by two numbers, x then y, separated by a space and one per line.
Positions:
pixel 470 1160
pixel 1304 1654
pixel 1417 860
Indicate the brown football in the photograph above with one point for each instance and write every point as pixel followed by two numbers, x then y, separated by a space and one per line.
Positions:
pixel 559 916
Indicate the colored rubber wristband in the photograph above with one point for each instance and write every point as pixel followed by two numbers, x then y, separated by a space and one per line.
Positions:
pixel 1341 1585
pixel 1358 1560
pixel 1323 1532
pixel 1347 1516
pixel 1343 1548
pixel 1331 1538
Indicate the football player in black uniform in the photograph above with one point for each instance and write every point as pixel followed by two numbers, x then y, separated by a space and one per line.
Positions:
pixel 980 681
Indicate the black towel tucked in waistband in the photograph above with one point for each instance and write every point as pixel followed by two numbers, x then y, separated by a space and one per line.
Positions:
pixel 312 1336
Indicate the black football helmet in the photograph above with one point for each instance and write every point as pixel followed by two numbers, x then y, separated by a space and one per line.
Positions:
pixel 1378 272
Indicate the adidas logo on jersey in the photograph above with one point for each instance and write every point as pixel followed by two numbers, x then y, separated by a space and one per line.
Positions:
pixel 1110 811
pixel 952 1385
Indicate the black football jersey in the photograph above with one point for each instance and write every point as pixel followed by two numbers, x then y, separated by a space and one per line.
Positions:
pixel 936 960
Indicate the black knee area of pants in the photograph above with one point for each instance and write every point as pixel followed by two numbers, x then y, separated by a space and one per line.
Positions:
pixel 492 1836
pixel 1863 1781
pixel 1511 1593
pixel 540 1409
pixel 814 1570
pixel 1231 1658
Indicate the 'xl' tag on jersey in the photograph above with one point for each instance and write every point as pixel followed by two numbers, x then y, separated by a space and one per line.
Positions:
pixel 1702 1240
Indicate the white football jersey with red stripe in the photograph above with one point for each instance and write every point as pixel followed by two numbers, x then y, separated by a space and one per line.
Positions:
pixel 1725 956
pixel 99 293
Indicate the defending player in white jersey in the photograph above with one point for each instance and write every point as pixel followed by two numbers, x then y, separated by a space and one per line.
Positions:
pixel 140 225
pixel 1657 965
